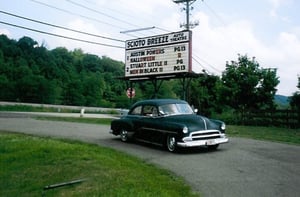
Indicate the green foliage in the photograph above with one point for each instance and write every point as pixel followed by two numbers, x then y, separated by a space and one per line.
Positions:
pixel 206 94
pixel 29 108
pixel 31 73
pixel 295 99
pixel 246 86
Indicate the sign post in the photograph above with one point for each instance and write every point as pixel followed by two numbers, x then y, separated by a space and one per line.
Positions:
pixel 130 92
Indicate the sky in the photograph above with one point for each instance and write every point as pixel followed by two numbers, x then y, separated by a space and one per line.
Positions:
pixel 268 30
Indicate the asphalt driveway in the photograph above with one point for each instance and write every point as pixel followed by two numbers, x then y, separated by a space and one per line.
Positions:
pixel 243 167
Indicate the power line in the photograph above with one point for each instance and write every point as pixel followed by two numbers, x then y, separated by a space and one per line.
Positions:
pixel 214 13
pixel 73 13
pixel 101 13
pixel 128 15
pixel 61 36
pixel 203 68
pixel 60 27
pixel 80 15
pixel 211 66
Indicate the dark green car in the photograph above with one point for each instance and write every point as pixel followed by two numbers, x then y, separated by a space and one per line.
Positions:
pixel 171 123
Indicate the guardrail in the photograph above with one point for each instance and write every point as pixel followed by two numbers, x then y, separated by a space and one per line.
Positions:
pixel 76 109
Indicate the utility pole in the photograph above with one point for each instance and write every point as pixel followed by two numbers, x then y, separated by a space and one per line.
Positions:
pixel 186 80
pixel 187 8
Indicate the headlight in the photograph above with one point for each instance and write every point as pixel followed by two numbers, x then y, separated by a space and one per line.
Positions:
pixel 185 130
pixel 223 126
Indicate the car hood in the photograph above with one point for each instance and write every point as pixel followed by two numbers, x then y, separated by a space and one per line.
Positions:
pixel 193 122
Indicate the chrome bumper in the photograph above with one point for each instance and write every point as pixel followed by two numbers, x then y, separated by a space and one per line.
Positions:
pixel 208 142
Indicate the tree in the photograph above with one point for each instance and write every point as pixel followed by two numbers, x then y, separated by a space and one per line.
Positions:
pixel 26 43
pixel 295 99
pixel 206 94
pixel 92 88
pixel 246 86
pixel 92 63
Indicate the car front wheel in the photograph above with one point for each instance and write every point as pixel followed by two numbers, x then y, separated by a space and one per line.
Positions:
pixel 171 143
pixel 124 135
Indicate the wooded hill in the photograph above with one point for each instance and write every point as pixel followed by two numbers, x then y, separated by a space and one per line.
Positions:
pixel 29 72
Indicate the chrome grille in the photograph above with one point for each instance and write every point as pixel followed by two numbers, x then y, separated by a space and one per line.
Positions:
pixel 204 135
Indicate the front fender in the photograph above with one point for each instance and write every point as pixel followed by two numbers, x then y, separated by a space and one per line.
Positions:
pixel 220 124
pixel 175 129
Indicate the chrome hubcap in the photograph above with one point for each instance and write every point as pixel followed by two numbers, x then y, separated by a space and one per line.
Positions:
pixel 171 143
pixel 123 135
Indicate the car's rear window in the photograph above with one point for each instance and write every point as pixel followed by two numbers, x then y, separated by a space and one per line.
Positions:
pixel 137 110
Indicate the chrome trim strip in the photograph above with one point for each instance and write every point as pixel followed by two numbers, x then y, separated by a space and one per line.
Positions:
pixel 204 122
pixel 159 130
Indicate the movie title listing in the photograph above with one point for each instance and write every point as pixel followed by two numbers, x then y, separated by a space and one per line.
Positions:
pixel 158 55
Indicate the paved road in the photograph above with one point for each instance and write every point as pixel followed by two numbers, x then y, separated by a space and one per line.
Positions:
pixel 242 167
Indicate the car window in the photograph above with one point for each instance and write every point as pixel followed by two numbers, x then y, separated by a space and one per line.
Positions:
pixel 150 110
pixel 175 109
pixel 167 109
pixel 136 111
pixel 184 109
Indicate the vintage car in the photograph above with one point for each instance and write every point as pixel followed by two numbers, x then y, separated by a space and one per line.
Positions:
pixel 171 123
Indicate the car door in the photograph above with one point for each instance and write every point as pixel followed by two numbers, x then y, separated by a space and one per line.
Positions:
pixel 149 124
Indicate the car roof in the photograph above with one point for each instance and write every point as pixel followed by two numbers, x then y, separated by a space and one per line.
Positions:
pixel 159 102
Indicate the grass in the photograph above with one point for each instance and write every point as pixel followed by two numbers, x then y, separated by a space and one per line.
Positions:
pixel 276 134
pixel 105 121
pixel 30 163
pixel 28 108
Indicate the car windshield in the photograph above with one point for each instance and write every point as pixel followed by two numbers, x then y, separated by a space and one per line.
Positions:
pixel 175 109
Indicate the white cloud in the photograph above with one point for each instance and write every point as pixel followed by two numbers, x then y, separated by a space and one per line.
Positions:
pixel 5 32
pixel 275 7
pixel 80 25
pixel 142 7
pixel 172 22
pixel 220 44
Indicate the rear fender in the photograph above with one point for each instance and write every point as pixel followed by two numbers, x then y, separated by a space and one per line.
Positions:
pixel 118 125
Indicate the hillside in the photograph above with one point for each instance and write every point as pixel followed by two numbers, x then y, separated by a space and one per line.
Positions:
pixel 282 100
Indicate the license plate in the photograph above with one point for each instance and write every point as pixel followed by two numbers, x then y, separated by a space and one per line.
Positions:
pixel 210 142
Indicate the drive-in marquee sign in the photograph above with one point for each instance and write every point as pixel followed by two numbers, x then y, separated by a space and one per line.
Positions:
pixel 166 54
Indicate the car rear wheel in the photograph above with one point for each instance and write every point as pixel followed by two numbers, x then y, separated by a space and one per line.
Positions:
pixel 171 143
pixel 124 135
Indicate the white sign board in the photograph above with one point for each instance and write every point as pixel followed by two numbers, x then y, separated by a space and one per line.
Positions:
pixel 158 55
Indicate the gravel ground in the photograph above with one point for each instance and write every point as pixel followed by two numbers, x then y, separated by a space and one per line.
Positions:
pixel 243 167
